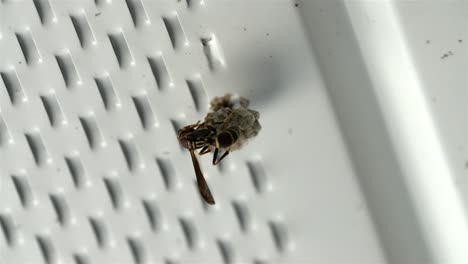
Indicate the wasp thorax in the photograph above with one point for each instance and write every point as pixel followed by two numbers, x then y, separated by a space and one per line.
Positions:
pixel 196 138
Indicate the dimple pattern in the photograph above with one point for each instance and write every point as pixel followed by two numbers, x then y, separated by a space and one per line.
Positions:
pixel 91 95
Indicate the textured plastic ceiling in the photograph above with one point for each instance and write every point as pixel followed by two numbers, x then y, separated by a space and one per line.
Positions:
pixel 92 93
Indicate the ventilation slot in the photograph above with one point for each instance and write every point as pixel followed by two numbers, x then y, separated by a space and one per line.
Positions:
pixel 38 149
pixel 243 215
pixel 138 12
pixel 77 171
pixel 14 87
pixel 198 93
pixel 23 189
pixel 279 234
pixel 115 192
pixel 5 136
pixel 258 175
pixel 193 3
pixel 121 49
pixel 81 259
pixel 175 31
pixel 130 152
pixel 212 53
pixel 67 68
pixel 176 125
pixel 28 47
pixel 190 233
pixel 101 3
pixel 137 250
pixel 167 172
pixel 170 261
pixel 8 229
pixel 45 11
pixel 100 232
pixel 153 214
pixel 53 110
pixel 83 30
pixel 160 72
pixel 226 250
pixel 259 261
pixel 61 209
pixel 107 92
pixel 92 132
pixel 47 250
pixel 143 107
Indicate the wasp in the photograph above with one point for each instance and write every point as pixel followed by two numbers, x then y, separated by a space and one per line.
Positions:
pixel 205 137
pixel 225 128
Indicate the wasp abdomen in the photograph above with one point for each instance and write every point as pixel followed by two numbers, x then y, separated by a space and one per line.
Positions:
pixel 227 138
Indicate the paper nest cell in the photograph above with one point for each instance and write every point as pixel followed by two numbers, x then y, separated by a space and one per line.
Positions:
pixel 233 112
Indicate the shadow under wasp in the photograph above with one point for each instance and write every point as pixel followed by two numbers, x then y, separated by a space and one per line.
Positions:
pixel 205 137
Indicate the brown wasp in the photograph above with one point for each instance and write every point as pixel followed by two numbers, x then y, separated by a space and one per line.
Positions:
pixel 205 137
pixel 226 127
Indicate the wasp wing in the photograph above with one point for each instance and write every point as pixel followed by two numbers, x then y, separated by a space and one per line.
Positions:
pixel 202 185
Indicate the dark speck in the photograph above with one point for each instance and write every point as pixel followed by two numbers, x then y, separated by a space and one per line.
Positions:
pixel 296 4
pixel 460 40
pixel 466 164
pixel 97 14
pixel 20 62
pixel 428 41
pixel 446 55
pixel 245 29
pixel 268 34
pixel 290 131
pixel 271 56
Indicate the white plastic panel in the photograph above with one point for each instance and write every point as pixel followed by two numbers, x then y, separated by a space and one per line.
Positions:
pixel 361 158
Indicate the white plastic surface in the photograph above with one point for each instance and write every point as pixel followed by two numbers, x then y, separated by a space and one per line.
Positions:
pixel 361 159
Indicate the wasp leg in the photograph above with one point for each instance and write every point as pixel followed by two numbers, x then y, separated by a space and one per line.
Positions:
pixel 204 150
pixel 195 126
pixel 215 155
pixel 199 124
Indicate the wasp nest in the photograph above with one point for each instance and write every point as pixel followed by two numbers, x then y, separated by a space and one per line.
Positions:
pixel 233 112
